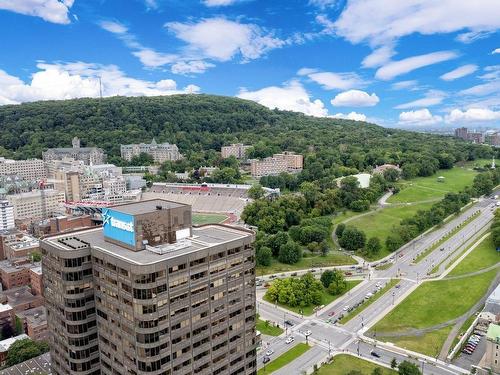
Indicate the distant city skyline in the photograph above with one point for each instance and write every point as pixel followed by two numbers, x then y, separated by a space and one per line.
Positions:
pixel 405 64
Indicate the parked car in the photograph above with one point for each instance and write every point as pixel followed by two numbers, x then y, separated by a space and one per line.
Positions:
pixel 346 308
pixel 289 323
pixel 289 340
pixel 269 352
pixel 266 359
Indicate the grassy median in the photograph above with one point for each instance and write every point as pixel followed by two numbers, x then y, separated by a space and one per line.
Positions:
pixel 284 359
pixel 343 364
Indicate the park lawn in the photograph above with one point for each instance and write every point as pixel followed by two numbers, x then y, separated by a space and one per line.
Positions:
pixel 425 188
pixel 284 359
pixel 429 343
pixel 200 219
pixel 342 216
pixel 333 258
pixel 435 302
pixel 326 299
pixel 342 364
pixel 268 329
pixel 483 256
pixel 380 223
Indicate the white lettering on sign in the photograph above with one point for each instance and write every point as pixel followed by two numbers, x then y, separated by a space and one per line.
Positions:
pixel 129 227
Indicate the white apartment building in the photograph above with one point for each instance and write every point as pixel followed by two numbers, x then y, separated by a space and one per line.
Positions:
pixel 276 164
pixel 6 215
pixel 160 152
pixel 36 205
pixel 238 150
pixel 31 169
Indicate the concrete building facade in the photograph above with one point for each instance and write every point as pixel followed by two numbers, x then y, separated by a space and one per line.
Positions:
pixel 31 169
pixel 150 294
pixel 160 152
pixel 89 155
pixel 6 215
pixel 278 163
pixel 238 150
pixel 36 204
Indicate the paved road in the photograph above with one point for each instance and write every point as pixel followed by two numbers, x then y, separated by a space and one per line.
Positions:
pixel 338 337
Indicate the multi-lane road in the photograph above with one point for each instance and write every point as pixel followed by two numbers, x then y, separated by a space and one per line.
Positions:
pixel 461 232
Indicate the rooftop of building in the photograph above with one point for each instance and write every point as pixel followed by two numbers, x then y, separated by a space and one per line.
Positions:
pixel 37 365
pixel 5 307
pixel 36 316
pixel 19 295
pixel 144 207
pixel 12 161
pixel 203 237
pixel 26 241
pixel 493 333
pixel 73 149
pixel 9 266
pixel 34 193
pixel 5 344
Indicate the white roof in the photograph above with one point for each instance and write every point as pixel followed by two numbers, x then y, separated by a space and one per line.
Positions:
pixel 494 297
pixel 5 307
pixel 5 344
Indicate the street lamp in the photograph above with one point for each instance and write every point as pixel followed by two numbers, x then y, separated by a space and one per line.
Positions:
pixel 393 294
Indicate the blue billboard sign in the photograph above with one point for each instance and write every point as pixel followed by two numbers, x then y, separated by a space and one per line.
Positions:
pixel 118 226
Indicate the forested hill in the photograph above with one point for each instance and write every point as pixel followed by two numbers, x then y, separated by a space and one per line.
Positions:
pixel 200 123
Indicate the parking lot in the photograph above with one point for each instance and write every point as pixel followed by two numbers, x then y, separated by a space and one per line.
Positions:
pixel 36 366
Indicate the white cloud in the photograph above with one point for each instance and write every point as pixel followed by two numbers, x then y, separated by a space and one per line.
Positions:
pixel 221 39
pixel 218 3
pixel 380 21
pixel 332 81
pixel 291 97
pixel 323 4
pixel 190 67
pixel 495 51
pixel 153 59
pixel 472 36
pixel 350 116
pixel 459 72
pixel 482 89
pixel 355 98
pixel 151 4
pixel 113 27
pixel 401 85
pixel 396 68
pixel 419 117
pixel 472 115
pixel 378 57
pixel 54 11
pixel 78 79
pixel 432 97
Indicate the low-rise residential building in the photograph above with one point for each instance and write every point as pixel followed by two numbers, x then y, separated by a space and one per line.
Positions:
pixel 6 344
pixel 238 150
pixel 278 163
pixel 6 215
pixel 31 169
pixel 160 152
pixel 21 246
pixel 89 155
pixel 36 205
pixel 21 298
pixel 34 322
pixel 14 273
pixel 492 356
pixel 6 316
pixel 36 280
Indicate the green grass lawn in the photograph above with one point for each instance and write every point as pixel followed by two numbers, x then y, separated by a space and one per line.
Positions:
pixel 425 188
pixel 381 222
pixel 432 303
pixel 284 359
pixel 484 255
pixel 326 298
pixel 344 363
pixel 268 329
pixel 368 302
pixel 344 216
pixel 333 258
pixel 199 219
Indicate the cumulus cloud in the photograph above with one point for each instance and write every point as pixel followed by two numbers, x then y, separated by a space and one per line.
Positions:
pixel 459 72
pixel 432 97
pixel 154 59
pixel 495 51
pixel 419 117
pixel 332 81
pixel 396 68
pixel 472 115
pixel 79 79
pixel 55 11
pixel 350 116
pixel 221 39
pixel 291 97
pixel 355 98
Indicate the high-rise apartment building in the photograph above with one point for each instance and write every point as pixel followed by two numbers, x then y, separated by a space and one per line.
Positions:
pixel 461 133
pixel 6 215
pixel 237 150
pixel 89 155
pixel 31 169
pixel 160 152
pixel 278 163
pixel 149 294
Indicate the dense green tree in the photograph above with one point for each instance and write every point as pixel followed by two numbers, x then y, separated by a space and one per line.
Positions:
pixel 256 192
pixel 263 256
pixel 36 256
pixel 352 239
pixel 304 291
pixel 339 230
pixel 326 278
pixel 482 184
pixel 373 246
pixel 25 349
pixel 408 368
pixel 338 285
pixel 394 363
pixel 142 159
pixel 391 174
pixel 290 253
pixel 312 233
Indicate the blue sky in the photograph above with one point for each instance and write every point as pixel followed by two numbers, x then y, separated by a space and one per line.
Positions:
pixel 396 63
